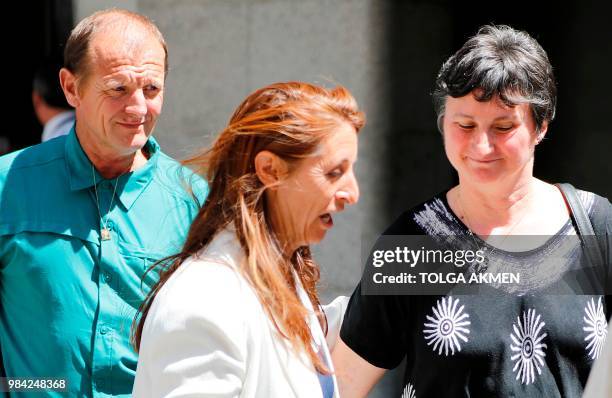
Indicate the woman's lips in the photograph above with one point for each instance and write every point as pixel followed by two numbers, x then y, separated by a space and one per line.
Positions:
pixel 327 220
pixel 483 161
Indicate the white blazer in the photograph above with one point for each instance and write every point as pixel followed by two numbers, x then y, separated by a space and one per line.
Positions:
pixel 207 335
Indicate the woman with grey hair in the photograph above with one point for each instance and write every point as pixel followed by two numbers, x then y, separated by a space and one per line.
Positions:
pixel 495 99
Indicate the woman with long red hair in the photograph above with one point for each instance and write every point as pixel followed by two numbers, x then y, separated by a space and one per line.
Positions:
pixel 236 312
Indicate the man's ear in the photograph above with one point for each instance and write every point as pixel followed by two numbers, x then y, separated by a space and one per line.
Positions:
pixel 68 81
pixel 270 168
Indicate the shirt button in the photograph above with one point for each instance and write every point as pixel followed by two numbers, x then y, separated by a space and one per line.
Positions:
pixel 110 225
pixel 107 277
pixel 103 330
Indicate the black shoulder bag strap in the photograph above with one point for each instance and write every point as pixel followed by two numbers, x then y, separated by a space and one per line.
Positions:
pixel 583 223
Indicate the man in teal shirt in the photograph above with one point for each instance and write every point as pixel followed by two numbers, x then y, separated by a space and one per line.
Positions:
pixel 83 216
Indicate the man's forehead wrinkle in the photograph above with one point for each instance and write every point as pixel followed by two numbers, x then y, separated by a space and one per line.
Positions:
pixel 122 60
pixel 132 75
pixel 122 67
pixel 126 52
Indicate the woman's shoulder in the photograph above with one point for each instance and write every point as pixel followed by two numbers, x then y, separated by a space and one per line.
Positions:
pixel 592 201
pixel 199 288
pixel 202 276
pixel 598 208
pixel 215 267
pixel 207 285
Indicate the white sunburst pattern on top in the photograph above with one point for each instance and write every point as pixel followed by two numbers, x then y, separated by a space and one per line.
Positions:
pixel 448 325
pixel 596 327
pixel 409 391
pixel 528 347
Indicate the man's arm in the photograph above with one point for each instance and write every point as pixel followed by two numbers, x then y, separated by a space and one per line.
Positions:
pixel 355 375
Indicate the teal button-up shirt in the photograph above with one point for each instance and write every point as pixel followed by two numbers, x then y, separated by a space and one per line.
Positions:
pixel 68 298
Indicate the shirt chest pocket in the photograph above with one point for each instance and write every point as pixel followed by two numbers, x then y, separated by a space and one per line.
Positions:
pixel 46 247
pixel 137 263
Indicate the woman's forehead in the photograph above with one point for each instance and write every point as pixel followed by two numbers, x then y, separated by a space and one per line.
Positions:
pixel 469 106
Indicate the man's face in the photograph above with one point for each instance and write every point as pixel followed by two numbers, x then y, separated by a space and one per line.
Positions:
pixel 121 96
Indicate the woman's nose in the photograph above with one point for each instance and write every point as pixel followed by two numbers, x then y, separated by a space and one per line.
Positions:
pixel 482 141
pixel 350 192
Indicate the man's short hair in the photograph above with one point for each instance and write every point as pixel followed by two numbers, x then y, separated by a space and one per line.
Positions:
pixel 77 46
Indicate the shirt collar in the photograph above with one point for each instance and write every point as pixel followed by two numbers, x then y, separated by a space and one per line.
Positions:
pixel 129 185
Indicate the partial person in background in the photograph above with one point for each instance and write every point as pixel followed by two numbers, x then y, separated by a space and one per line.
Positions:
pixel 236 311
pixel 50 105
pixel 83 215
pixel 5 145
pixel 495 99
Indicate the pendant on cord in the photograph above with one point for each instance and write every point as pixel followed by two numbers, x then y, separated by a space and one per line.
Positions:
pixel 105 233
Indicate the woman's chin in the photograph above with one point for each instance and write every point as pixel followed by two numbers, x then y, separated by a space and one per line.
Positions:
pixel 317 237
pixel 481 175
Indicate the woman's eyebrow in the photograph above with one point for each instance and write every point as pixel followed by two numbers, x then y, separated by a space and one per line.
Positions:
pixel 511 117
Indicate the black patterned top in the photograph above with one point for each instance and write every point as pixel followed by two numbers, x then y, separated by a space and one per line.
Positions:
pixel 519 342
